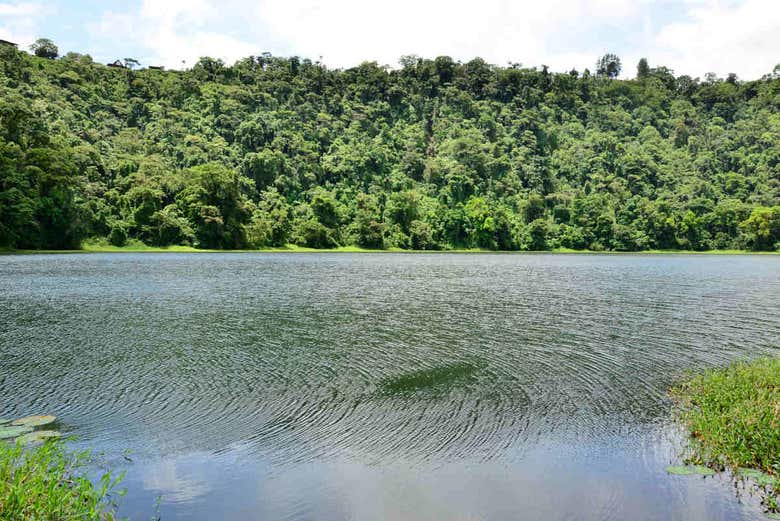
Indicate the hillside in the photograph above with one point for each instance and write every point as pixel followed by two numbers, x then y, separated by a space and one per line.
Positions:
pixel 432 155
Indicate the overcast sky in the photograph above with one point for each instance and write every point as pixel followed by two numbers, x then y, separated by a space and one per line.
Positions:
pixel 690 36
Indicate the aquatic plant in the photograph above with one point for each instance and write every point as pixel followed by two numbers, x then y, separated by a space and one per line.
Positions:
pixel 690 470
pixel 37 437
pixel 23 427
pixel 733 417
pixel 13 431
pixel 49 483
pixel 35 421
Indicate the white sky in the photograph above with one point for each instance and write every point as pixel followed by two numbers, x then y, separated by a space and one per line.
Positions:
pixel 690 36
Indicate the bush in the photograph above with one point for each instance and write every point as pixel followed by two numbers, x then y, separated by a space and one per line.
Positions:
pixel 422 236
pixel 118 236
pixel 313 234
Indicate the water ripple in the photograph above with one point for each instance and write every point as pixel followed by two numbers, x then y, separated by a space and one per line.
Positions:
pixel 420 358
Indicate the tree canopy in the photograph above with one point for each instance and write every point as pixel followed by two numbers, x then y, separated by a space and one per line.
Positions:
pixel 45 48
pixel 435 154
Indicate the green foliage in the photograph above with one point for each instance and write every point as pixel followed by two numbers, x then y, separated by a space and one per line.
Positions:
pixel 609 66
pixel 46 482
pixel 734 414
pixel 435 155
pixel 762 228
pixel 45 48
pixel 642 69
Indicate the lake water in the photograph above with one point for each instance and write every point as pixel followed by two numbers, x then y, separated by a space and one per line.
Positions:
pixel 384 386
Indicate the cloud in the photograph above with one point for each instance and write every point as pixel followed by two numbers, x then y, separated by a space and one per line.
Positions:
pixel 19 22
pixel 346 32
pixel 174 33
pixel 689 36
pixel 739 37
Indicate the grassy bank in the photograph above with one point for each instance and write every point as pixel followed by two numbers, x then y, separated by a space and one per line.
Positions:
pixel 103 246
pixel 733 415
pixel 48 483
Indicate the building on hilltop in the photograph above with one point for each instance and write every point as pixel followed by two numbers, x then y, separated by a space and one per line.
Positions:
pixel 118 64
pixel 6 42
pixel 157 67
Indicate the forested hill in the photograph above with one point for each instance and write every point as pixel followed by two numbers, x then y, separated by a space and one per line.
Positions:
pixel 432 155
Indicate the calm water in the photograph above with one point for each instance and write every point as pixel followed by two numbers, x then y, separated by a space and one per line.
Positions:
pixel 387 386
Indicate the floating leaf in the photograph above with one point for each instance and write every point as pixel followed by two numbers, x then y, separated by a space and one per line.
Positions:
pixel 3 421
pixel 761 478
pixel 690 470
pixel 38 436
pixel 14 431
pixel 35 421
pixel 773 515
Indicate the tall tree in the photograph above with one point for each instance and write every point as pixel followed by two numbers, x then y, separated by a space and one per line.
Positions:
pixel 609 66
pixel 45 48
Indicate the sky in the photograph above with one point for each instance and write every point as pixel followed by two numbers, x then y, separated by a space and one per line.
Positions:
pixel 691 37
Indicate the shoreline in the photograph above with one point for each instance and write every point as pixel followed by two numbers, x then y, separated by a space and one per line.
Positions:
pixel 290 248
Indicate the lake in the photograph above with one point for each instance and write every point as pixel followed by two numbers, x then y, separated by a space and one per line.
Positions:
pixel 384 386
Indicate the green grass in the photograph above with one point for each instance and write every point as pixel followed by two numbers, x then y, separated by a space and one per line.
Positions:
pixel 134 246
pixel 48 483
pixel 733 415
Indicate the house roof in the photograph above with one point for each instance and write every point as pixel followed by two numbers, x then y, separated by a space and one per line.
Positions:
pixel 6 42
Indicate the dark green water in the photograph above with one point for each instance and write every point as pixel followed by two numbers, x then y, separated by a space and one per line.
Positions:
pixel 384 386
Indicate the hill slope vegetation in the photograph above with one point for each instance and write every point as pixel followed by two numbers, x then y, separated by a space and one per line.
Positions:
pixel 435 154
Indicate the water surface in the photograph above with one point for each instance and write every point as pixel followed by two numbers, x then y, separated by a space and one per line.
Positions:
pixel 384 386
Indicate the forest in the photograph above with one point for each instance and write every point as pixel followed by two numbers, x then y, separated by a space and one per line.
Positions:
pixel 432 154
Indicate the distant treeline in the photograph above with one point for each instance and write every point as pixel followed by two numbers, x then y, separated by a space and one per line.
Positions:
pixel 435 154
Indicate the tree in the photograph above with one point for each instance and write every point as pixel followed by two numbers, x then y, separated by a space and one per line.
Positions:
pixel 213 200
pixel 45 48
pixel 439 154
pixel 763 228
pixel 642 69
pixel 609 66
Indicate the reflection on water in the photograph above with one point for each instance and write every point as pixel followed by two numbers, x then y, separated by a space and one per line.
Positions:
pixel 330 386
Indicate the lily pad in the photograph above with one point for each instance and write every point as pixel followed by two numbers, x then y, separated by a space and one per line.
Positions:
pixel 761 478
pixel 690 470
pixel 35 421
pixel 14 431
pixel 38 436
pixel 3 421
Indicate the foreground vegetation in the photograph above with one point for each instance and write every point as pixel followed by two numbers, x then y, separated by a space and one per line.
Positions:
pixel 734 416
pixel 433 155
pixel 48 483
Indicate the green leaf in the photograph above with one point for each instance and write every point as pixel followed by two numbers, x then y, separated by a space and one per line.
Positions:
pixel 35 421
pixel 690 470
pixel 14 431
pixel 761 478
pixel 38 436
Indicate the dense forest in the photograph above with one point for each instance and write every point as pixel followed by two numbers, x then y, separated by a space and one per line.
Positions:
pixel 433 154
